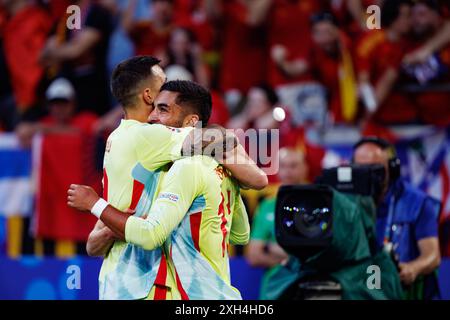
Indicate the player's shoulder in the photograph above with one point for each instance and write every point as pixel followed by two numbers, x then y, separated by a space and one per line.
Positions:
pixel 197 161
pixel 153 131
pixel 204 169
pixel 142 127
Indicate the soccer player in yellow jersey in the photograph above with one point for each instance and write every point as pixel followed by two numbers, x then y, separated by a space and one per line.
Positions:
pixel 134 154
pixel 134 160
pixel 215 214
pixel 197 213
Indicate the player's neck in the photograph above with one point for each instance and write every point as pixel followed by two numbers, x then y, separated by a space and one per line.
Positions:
pixel 137 114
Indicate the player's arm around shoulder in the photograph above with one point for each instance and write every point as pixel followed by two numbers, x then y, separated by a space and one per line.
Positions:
pixel 244 169
pixel 156 144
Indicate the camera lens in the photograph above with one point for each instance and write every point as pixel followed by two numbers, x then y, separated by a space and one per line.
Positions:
pixel 306 216
pixel 312 222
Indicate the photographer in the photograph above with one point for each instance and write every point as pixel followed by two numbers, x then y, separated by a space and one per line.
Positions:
pixel 406 221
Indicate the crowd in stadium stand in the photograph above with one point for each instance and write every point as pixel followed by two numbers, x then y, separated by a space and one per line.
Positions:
pixel 314 62
pixel 317 55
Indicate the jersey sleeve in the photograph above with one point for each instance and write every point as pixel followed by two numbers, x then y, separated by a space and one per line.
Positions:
pixel 179 188
pixel 157 145
pixel 240 227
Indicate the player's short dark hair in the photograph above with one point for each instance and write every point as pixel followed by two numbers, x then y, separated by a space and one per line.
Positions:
pixel 127 76
pixel 192 96
pixel 390 11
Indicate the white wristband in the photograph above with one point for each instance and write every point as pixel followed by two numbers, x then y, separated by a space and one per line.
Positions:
pixel 98 207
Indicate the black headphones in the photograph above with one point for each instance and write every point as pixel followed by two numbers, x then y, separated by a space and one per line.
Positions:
pixel 393 162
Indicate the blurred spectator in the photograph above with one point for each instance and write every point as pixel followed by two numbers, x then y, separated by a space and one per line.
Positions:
pixel 183 50
pixel 330 61
pixel 219 112
pixel 300 92
pixel 263 112
pixel 352 15
pixel 80 55
pixel 62 114
pixel 57 8
pixel 150 37
pixel 436 43
pixel 64 155
pixel 263 249
pixel 192 15
pixel 24 35
pixel 120 45
pixel 258 110
pixel 379 58
pixel 8 112
pixel 433 104
pixel 287 21
pixel 3 19
pixel 243 44
pixel 406 222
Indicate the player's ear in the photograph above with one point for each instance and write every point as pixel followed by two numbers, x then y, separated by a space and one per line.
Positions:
pixel 192 120
pixel 147 96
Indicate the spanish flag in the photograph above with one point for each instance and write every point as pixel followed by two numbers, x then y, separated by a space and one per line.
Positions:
pixel 347 85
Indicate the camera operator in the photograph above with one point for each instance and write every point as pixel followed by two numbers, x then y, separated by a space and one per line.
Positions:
pixel 263 249
pixel 407 221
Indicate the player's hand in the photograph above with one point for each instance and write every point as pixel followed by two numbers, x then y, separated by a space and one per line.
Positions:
pixel 213 141
pixel 408 273
pixel 81 197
